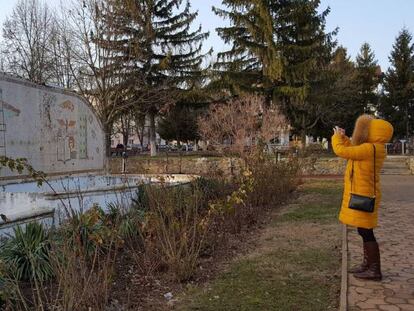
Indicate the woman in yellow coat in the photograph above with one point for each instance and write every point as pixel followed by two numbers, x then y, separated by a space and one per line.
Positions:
pixel 359 151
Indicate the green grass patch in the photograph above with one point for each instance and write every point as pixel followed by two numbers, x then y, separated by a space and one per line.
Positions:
pixel 323 187
pixel 311 212
pixel 299 274
pixel 271 282
pixel 322 203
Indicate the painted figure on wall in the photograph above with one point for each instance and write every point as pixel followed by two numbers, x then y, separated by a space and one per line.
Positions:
pixel 66 134
pixel 45 110
pixel 66 140
pixel 7 111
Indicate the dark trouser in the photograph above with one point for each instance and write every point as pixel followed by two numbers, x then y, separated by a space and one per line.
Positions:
pixel 367 234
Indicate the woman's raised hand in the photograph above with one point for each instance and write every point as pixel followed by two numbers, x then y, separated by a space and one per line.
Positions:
pixel 338 130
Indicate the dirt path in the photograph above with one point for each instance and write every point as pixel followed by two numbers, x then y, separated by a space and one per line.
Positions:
pixel 395 235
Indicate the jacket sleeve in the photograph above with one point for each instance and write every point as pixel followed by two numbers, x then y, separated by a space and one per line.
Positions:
pixel 347 141
pixel 342 148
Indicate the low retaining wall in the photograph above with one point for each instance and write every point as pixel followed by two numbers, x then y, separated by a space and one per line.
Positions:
pixel 208 165
pixel 175 165
pixel 411 165
pixel 323 166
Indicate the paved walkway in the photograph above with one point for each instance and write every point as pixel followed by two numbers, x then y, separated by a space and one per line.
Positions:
pixel 395 235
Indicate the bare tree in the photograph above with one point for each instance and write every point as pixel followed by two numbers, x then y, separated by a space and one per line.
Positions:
pixel 139 125
pixel 241 122
pixel 98 73
pixel 62 44
pixel 124 125
pixel 86 65
pixel 27 37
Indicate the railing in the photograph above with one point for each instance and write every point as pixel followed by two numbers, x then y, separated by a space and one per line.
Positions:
pixel 399 148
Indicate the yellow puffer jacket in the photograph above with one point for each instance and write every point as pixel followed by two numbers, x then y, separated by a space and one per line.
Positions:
pixel 378 132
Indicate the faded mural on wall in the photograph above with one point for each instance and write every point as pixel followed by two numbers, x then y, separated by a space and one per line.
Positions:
pixel 55 130
pixel 7 112
pixel 83 136
pixel 66 132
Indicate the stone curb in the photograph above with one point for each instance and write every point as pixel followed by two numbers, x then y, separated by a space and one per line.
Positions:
pixel 343 303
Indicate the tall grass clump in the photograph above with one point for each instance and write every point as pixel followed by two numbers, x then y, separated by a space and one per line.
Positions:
pixel 175 226
pixel 27 253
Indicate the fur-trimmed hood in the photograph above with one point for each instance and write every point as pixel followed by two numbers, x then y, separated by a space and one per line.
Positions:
pixel 361 129
pixel 369 129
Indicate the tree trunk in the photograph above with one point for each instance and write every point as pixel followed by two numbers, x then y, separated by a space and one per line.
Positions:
pixel 141 133
pixel 125 137
pixel 407 126
pixel 303 138
pixel 303 132
pixel 108 132
pixel 153 145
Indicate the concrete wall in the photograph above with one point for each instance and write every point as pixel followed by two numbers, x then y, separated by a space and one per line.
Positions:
pixel 209 165
pixel 323 166
pixel 411 164
pixel 203 166
pixel 57 131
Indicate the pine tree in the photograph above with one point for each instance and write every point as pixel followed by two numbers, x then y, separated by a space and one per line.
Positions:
pixel 181 121
pixel 252 64
pixel 179 124
pixel 368 77
pixel 341 95
pixel 397 103
pixel 158 50
pixel 278 49
pixel 306 50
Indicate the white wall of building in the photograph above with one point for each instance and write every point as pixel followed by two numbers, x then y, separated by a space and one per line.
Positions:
pixel 55 130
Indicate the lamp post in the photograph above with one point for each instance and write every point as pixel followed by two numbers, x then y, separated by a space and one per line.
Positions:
pixel 124 160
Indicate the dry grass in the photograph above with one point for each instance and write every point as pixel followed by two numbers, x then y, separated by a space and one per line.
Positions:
pixel 295 265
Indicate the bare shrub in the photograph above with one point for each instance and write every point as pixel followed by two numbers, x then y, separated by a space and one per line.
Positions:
pixel 241 123
pixel 82 281
pixel 175 226
pixel 244 126
pixel 273 179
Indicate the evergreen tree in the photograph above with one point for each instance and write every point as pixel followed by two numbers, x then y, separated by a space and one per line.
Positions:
pixel 306 50
pixel 158 50
pixel 278 49
pixel 341 95
pixel 397 103
pixel 179 124
pixel 252 64
pixel 368 77
pixel 181 121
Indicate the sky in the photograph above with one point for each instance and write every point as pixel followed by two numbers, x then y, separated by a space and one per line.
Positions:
pixel 377 22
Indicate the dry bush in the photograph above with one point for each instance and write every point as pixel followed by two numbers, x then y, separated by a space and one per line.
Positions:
pixel 82 282
pixel 175 226
pixel 247 124
pixel 82 259
pixel 241 123
pixel 273 180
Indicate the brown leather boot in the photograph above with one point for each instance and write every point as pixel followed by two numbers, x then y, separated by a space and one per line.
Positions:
pixel 364 265
pixel 374 263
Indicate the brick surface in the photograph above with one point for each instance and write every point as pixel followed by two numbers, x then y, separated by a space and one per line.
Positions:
pixel 395 235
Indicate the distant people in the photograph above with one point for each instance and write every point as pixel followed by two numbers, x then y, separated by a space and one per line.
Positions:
pixel 365 154
pixel 119 149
